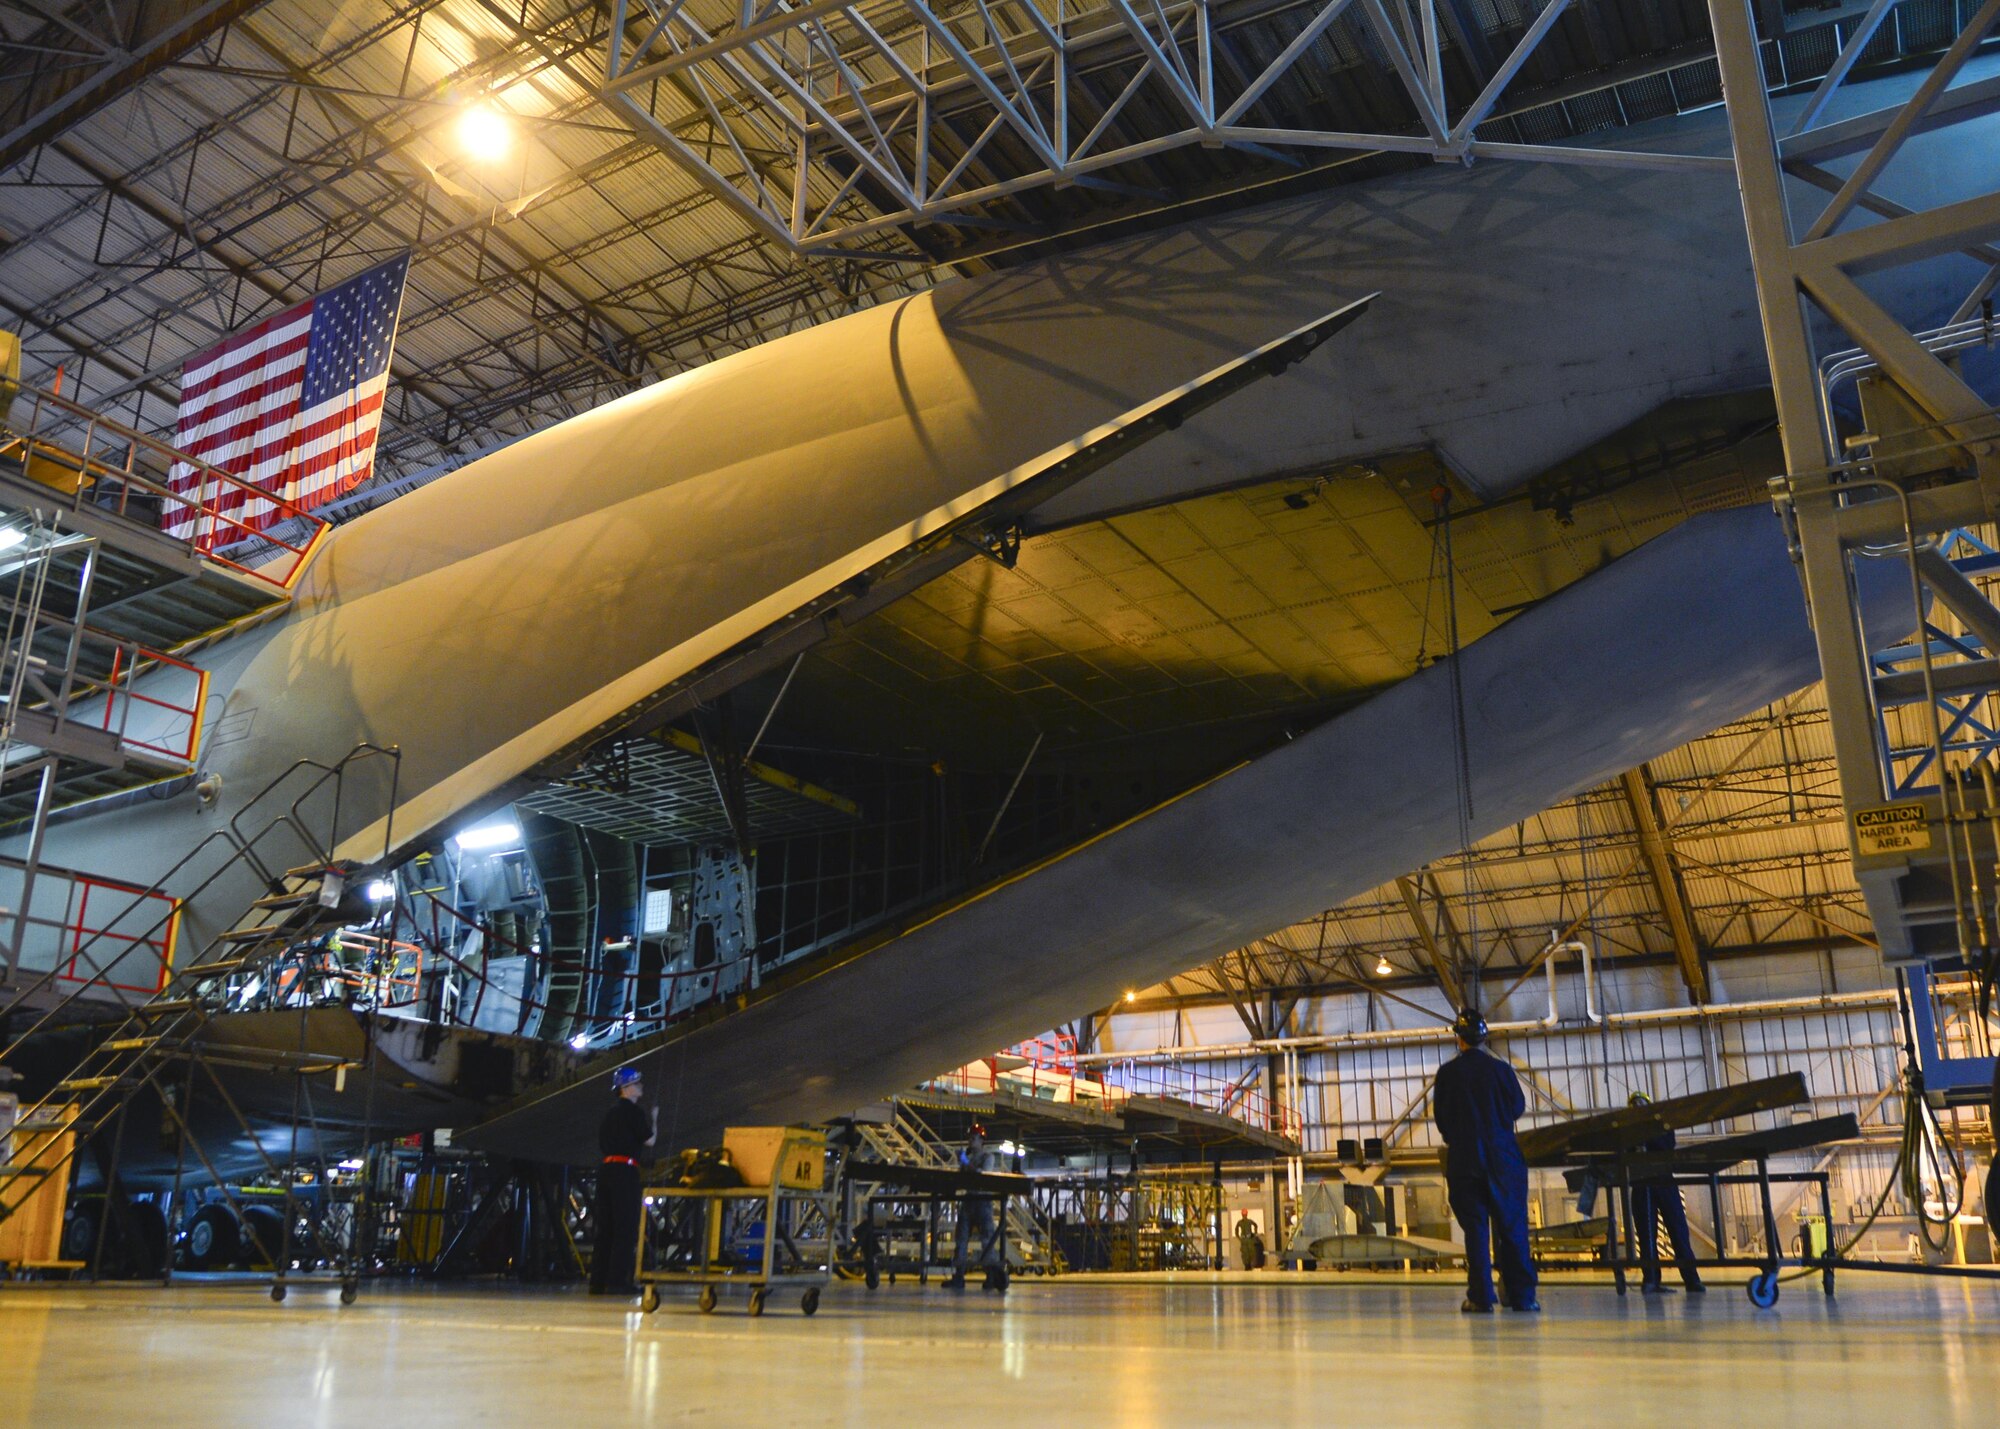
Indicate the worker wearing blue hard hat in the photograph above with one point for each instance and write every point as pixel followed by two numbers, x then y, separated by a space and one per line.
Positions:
pixel 622 1138
pixel 1476 1101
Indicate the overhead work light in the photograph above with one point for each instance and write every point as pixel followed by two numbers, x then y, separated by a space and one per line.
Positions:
pixel 484 133
pixel 486 837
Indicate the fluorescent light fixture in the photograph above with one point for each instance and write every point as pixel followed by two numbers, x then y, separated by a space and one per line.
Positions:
pixel 11 536
pixel 659 914
pixel 489 836
pixel 484 133
pixel 579 1040
pixel 381 891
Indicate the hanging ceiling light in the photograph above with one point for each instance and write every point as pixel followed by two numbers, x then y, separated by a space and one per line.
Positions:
pixel 1382 968
pixel 484 132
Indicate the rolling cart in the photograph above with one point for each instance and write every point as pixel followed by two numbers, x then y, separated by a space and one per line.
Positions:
pixel 773 1233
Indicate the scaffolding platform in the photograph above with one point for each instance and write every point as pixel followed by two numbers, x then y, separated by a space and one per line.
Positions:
pixel 1065 1127
pixel 118 555
pixel 145 585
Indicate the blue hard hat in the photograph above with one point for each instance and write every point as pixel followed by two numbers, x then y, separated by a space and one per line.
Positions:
pixel 623 1078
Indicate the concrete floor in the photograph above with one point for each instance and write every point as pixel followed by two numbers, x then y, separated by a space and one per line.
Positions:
pixel 1165 1350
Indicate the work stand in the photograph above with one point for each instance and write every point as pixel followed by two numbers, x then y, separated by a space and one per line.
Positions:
pixel 1625 1250
pixel 911 1202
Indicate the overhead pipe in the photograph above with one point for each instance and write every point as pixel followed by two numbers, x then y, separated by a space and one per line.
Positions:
pixel 1549 955
pixel 1393 1036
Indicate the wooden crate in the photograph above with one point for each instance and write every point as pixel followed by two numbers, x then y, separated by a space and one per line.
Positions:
pixel 792 1156
pixel 32 1232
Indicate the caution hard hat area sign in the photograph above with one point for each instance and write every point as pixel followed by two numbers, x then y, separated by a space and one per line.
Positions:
pixel 1892 829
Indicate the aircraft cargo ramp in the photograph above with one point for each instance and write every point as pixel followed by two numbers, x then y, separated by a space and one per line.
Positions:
pixel 1563 696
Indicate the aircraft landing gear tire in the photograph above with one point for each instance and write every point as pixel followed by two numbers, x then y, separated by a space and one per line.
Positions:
pixel 809 1302
pixel 214 1238
pixel 707 1300
pixel 1763 1289
pixel 261 1238
pixel 757 1297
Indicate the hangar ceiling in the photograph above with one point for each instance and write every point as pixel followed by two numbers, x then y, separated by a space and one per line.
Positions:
pixel 178 168
pixel 174 169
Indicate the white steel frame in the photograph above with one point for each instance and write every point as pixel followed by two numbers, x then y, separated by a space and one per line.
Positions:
pixel 1837 503
pixel 797 102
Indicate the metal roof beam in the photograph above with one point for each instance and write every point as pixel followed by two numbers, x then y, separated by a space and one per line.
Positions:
pixel 1446 967
pixel 124 70
pixel 1659 859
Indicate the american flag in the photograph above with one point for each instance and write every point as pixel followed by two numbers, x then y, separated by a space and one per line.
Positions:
pixel 291 405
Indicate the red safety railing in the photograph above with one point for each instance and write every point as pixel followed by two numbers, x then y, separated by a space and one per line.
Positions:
pixel 94 949
pixel 390 973
pixel 1044 1068
pixel 127 660
pixel 96 461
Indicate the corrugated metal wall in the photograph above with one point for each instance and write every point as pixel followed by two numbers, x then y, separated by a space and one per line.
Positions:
pixel 1364 1065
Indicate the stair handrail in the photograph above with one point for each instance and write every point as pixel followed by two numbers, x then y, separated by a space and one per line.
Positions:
pixel 242 850
pixel 293 818
pixel 132 1020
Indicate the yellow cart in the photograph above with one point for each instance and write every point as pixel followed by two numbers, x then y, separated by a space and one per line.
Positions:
pixel 776 1232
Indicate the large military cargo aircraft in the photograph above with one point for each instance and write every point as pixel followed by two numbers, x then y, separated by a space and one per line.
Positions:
pixel 514 629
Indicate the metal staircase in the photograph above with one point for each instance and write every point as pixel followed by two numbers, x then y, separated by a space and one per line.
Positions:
pixel 101 600
pixel 904 1140
pixel 164 1030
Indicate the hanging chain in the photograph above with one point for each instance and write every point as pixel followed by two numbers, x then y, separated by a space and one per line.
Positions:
pixel 1443 557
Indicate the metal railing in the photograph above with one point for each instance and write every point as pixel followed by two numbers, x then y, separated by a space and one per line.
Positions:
pixel 1046 1069
pixel 237 851
pixel 128 659
pixel 1237 1098
pixel 159 1026
pixel 53 686
pixel 59 925
pixel 97 462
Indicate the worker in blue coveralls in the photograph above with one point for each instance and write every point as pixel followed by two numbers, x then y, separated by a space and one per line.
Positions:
pixel 975 1213
pixel 1993 1171
pixel 1476 1101
pixel 1656 1201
